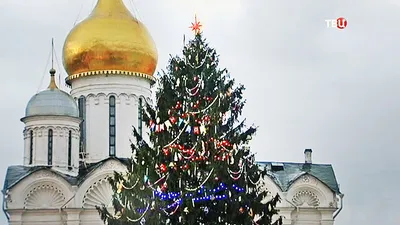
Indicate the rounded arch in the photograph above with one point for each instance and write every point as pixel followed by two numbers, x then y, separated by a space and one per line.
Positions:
pixel 89 98
pixel 134 97
pixel 44 195
pixel 42 176
pixel 112 94
pixel 308 191
pixel 95 190
pixel 101 96
pixel 98 194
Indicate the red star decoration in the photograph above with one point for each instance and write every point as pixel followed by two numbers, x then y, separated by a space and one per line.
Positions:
pixel 196 25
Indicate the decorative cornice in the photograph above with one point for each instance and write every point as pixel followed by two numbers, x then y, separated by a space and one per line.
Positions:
pixel 57 130
pixel 120 97
pixel 50 117
pixel 108 72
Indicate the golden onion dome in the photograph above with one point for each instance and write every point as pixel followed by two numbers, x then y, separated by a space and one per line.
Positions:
pixel 110 41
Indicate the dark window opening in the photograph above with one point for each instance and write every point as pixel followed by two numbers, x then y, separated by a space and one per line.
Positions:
pixel 30 147
pixel 69 150
pixel 112 124
pixel 82 126
pixel 50 148
pixel 140 117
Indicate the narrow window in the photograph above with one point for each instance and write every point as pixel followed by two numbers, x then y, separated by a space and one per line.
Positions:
pixel 82 126
pixel 112 122
pixel 140 117
pixel 50 148
pixel 69 150
pixel 31 147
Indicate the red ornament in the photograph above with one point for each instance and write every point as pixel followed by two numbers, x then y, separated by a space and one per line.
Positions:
pixel 196 78
pixel 172 119
pixel 164 187
pixel 163 168
pixel 196 130
pixel 166 151
pixel 241 210
pixel 185 167
pixel 178 105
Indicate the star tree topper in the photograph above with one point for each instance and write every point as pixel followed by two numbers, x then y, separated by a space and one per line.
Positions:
pixel 196 26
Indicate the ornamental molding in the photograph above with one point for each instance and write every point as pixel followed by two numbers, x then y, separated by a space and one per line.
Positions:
pixel 44 174
pixel 112 165
pixel 44 196
pixel 306 198
pixel 98 194
pixel 61 131
pixel 120 98
pixel 305 179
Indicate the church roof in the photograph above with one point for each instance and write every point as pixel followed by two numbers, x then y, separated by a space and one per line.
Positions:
pixel 283 174
pixel 51 102
pixel 17 173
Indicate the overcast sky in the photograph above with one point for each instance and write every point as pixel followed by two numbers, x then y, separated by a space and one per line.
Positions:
pixel 308 86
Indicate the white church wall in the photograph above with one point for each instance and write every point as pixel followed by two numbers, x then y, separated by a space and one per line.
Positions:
pixel 97 90
pixel 97 183
pixel 42 189
pixel 307 202
pixel 311 192
pixel 60 125
pixel 314 203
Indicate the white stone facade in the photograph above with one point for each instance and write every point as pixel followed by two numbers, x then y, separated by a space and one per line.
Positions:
pixel 97 91
pixel 36 142
pixel 307 202
pixel 46 198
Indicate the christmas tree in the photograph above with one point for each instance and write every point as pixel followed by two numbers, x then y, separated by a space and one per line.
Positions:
pixel 197 168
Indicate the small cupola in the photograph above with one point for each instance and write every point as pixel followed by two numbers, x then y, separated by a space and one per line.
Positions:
pixel 51 133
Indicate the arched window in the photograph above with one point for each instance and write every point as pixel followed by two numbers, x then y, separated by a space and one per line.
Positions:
pixel 82 126
pixel 69 150
pixel 112 123
pixel 31 147
pixel 50 148
pixel 140 117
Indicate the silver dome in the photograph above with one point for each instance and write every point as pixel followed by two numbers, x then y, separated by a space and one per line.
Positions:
pixel 52 102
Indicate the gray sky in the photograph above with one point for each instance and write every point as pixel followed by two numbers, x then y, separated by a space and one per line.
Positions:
pixel 308 86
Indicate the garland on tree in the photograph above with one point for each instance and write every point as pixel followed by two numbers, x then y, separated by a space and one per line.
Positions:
pixel 198 168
